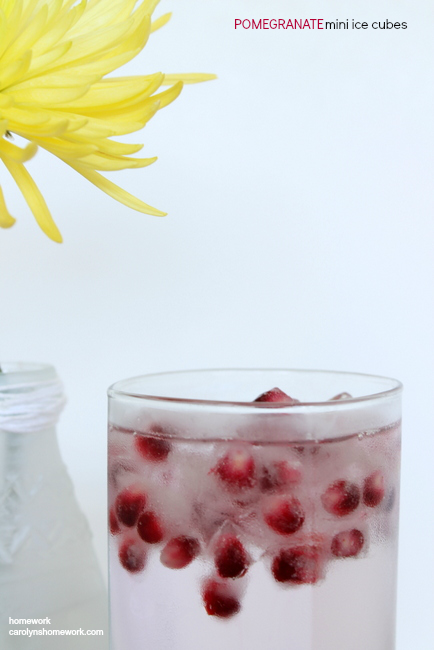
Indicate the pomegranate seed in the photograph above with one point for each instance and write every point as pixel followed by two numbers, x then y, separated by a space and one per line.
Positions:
pixel 132 555
pixel 284 514
pixel 231 558
pixel 349 543
pixel 220 599
pixel 236 469
pixel 155 449
pixel 128 505
pixel 300 565
pixel 279 475
pixel 113 522
pixel 149 527
pixel 341 498
pixel 373 490
pixel 276 395
pixel 179 552
pixel 341 396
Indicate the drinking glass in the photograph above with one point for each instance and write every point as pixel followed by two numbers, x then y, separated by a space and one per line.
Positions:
pixel 254 509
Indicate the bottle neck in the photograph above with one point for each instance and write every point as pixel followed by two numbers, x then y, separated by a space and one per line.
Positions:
pixel 31 398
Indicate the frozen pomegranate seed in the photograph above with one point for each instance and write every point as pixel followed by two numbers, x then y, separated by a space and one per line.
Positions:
pixel 179 552
pixel 149 527
pixel 268 481
pixel 348 543
pixel 280 474
pixel 128 505
pixel 220 599
pixel 132 555
pixel 113 522
pixel 341 396
pixel 236 469
pixel 373 489
pixel 341 498
pixel 276 395
pixel 300 565
pixel 230 557
pixel 155 449
pixel 284 514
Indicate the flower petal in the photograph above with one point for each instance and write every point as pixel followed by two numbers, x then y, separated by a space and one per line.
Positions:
pixel 34 198
pixel 116 192
pixel 26 38
pixel 6 219
pixel 15 153
pixel 106 163
pixel 116 93
pixel 160 22
pixel 104 13
pixel 3 127
pixel 187 78
pixel 65 148
pixel 48 96
pixel 15 70
pixel 43 62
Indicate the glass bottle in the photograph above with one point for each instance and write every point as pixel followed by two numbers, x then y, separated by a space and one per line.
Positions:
pixel 48 568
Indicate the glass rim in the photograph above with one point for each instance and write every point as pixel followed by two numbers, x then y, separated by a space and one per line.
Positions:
pixel 396 387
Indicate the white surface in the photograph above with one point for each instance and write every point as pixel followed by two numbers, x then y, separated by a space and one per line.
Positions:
pixel 300 234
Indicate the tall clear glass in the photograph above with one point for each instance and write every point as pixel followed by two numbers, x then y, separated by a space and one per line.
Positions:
pixel 245 523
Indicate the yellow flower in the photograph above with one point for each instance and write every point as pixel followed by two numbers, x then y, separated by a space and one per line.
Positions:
pixel 55 56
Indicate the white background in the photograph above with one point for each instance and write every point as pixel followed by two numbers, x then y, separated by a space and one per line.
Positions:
pixel 300 234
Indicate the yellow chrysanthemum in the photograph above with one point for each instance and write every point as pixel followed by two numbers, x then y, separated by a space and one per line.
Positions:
pixel 54 58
